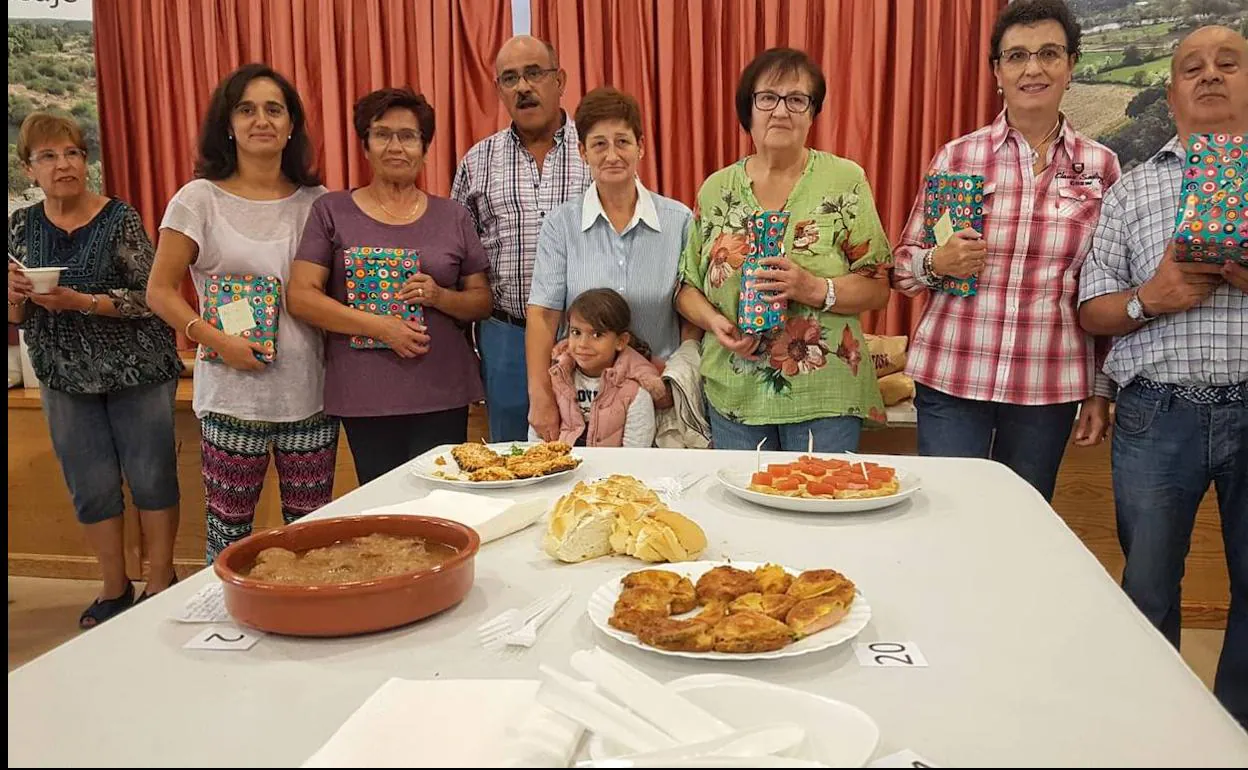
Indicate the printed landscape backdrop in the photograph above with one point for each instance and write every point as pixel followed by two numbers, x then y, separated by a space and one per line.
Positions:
pixel 1118 96
pixel 51 66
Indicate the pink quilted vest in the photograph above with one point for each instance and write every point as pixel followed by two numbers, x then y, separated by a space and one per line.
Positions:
pixel 619 387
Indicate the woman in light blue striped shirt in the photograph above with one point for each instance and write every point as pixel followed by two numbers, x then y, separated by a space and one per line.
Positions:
pixel 617 235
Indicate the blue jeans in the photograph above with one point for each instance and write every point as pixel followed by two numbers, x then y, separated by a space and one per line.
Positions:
pixel 98 437
pixel 506 379
pixel 832 434
pixel 1029 440
pixel 1166 452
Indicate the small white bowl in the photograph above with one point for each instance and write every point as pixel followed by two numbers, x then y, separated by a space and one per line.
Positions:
pixel 837 734
pixel 45 279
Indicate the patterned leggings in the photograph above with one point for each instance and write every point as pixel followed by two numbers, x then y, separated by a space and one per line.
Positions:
pixel 236 459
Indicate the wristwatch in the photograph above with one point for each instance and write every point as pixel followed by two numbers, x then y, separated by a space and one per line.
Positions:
pixel 1135 309
pixel 829 299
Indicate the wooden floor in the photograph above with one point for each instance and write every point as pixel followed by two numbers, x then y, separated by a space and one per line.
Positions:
pixel 43 613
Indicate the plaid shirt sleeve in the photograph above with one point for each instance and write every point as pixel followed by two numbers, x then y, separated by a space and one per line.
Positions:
pixel 1107 269
pixel 461 191
pixel 1102 385
pixel 909 277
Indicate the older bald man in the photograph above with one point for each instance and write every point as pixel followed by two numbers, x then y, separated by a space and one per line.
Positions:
pixel 509 182
pixel 1181 359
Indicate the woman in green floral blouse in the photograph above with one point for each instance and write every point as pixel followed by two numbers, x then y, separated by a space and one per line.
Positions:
pixel 813 375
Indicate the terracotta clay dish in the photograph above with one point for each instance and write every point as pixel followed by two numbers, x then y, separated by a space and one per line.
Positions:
pixel 347 608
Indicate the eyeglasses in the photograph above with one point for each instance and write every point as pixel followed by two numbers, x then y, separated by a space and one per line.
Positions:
pixel 1017 58
pixel 794 103
pixel 50 157
pixel 407 138
pixel 534 75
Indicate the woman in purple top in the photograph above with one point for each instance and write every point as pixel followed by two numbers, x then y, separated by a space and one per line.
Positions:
pixel 400 384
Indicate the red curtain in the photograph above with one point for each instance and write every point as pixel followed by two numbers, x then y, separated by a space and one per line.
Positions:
pixel 159 60
pixel 904 77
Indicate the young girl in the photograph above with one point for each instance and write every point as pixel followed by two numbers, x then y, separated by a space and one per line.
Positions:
pixel 603 380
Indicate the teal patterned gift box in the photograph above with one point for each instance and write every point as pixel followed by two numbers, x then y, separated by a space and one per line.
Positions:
pixel 374 278
pixel 1212 222
pixel 263 293
pixel 962 195
pixel 757 312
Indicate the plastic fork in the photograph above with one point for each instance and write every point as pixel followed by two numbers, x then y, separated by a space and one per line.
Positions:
pixel 527 636
pixel 690 480
pixel 492 632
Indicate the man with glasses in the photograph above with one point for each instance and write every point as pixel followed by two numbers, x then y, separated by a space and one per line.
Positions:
pixel 510 182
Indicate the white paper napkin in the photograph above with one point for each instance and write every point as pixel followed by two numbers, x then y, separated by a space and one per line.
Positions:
pixel 451 723
pixel 491 517
pixel 467 509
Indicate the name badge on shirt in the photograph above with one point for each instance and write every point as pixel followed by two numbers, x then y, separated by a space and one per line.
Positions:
pixel 1079 178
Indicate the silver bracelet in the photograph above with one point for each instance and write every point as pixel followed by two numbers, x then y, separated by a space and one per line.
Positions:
pixel 95 305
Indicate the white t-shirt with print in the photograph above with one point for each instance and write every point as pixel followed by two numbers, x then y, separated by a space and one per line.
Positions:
pixel 238 235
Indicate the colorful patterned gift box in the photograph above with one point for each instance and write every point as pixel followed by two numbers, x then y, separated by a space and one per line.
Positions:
pixel 263 293
pixel 963 196
pixel 757 312
pixel 374 278
pixel 1212 223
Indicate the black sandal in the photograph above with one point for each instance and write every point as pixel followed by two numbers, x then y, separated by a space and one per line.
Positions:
pixel 103 609
pixel 146 595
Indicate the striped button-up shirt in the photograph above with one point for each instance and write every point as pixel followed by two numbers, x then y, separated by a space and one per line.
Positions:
pixel 509 196
pixel 579 250
pixel 1207 345
pixel 1018 340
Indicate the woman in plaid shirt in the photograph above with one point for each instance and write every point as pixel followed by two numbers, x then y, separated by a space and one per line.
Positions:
pixel 1002 373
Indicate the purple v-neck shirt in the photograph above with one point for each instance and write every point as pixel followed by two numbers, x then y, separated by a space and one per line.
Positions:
pixel 377 383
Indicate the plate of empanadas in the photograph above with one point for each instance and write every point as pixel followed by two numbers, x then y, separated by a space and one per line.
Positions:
pixel 497 466
pixel 730 611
